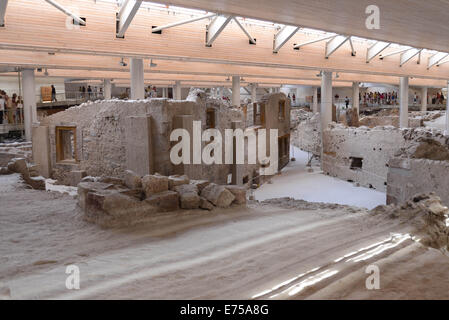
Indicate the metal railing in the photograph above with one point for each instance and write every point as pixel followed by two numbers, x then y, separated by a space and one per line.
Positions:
pixel 73 96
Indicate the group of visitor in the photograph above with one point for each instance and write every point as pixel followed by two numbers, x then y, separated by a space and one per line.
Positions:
pixel 386 98
pixel 90 93
pixel 11 108
pixel 438 98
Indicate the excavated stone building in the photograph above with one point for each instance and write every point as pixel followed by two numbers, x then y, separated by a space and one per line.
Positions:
pixel 106 138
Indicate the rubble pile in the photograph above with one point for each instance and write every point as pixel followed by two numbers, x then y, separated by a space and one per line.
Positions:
pixel 426 215
pixel 299 115
pixel 111 201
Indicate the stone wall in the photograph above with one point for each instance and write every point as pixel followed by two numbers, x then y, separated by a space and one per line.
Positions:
pixel 112 136
pixel 101 135
pixel 307 135
pixel 362 155
pixel 409 177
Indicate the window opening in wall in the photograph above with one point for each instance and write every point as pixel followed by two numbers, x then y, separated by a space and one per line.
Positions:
pixel 210 118
pixel 256 113
pixel 356 163
pixel 66 144
pixel 283 146
pixel 282 110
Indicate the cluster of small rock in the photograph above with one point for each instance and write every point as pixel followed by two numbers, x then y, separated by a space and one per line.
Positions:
pixel 426 214
pixel 29 173
pixel 112 201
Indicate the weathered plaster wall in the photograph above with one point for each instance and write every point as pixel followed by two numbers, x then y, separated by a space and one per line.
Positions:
pixel 374 146
pixel 307 135
pixel 409 177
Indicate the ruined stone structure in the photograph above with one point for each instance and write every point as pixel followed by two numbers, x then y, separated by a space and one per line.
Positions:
pixel 360 154
pixel 364 155
pixel 423 167
pixel 113 202
pixel 307 135
pixel 106 138
pixel 273 112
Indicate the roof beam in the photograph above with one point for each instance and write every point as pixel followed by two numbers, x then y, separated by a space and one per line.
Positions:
pixel 393 53
pixel 3 5
pixel 216 27
pixel 251 39
pixel 408 55
pixel 436 59
pixel 352 47
pixel 335 43
pixel 126 15
pixel 283 36
pixel 442 62
pixel 297 46
pixel 179 23
pixel 67 12
pixel 375 50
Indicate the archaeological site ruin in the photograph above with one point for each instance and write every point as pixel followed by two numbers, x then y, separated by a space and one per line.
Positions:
pixel 181 151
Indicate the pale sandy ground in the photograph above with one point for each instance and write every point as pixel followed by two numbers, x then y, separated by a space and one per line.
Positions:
pixel 239 254
pixel 296 182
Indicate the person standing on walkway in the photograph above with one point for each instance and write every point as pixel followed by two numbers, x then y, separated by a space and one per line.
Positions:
pixel 53 93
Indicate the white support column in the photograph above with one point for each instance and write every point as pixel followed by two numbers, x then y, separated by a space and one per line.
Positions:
pixel 236 91
pixel 254 92
pixel 297 94
pixel 137 79
pixel 3 6
pixel 447 109
pixel 326 99
pixel 403 99
pixel 315 100
pixel 164 93
pixel 29 101
pixel 107 89
pixel 177 90
pixel 355 96
pixel 424 99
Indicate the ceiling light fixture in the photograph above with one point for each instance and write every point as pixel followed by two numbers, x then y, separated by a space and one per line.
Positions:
pixel 123 63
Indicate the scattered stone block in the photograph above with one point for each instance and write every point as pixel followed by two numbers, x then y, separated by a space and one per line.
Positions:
pixel 85 187
pixel 37 183
pixel 239 193
pixel 176 180
pixel 218 195
pixel 164 201
pixel 188 196
pixel 113 180
pixel 34 170
pixel 200 184
pixel 205 204
pixel 112 208
pixel 18 165
pixel 132 180
pixel 76 176
pixel 153 184
pixel 4 170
